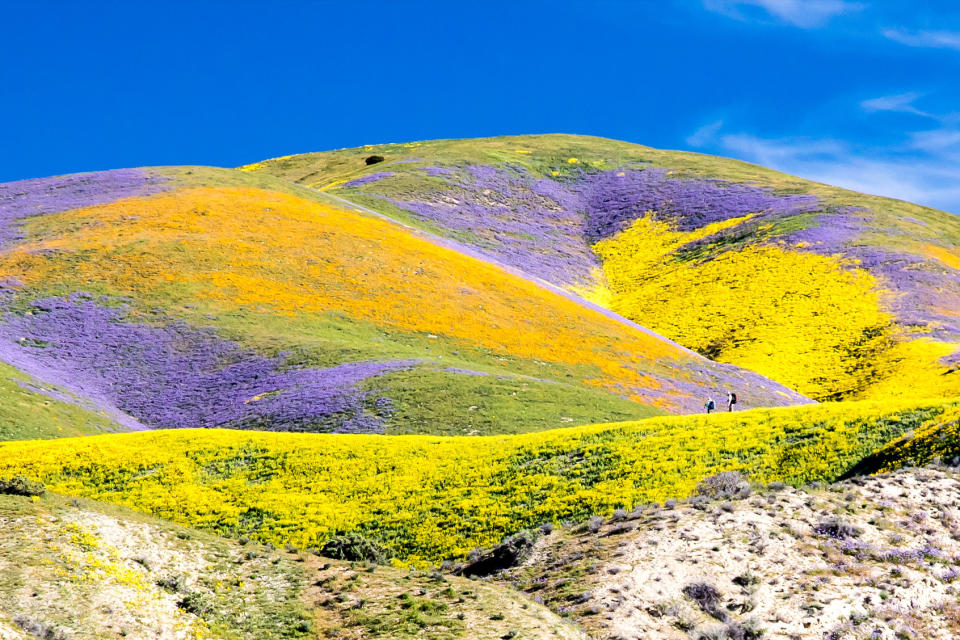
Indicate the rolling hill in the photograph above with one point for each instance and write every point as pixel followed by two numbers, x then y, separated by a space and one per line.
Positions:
pixel 201 297
pixel 835 294
pixel 79 569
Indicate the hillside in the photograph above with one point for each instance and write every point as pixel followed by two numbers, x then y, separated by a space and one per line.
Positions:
pixel 200 297
pixel 426 499
pixel 31 409
pixel 79 570
pixel 871 558
pixel 836 294
pixel 866 558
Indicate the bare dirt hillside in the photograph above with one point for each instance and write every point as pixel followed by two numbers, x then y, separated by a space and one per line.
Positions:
pixel 873 557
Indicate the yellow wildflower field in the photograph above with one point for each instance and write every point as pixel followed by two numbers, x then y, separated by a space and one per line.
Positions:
pixel 428 498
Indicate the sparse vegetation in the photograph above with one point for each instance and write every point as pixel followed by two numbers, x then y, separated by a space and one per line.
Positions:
pixel 751 574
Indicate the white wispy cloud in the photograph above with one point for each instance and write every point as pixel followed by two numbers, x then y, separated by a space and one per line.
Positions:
pixel 801 13
pixel 704 134
pixel 936 141
pixel 930 39
pixel 900 103
pixel 924 169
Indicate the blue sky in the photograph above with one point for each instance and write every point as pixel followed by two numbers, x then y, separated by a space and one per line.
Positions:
pixel 863 94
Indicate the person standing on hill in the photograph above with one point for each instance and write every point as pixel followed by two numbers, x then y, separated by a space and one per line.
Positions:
pixel 710 406
pixel 731 400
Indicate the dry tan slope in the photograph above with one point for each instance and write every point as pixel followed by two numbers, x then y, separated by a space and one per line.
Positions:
pixel 893 577
pixel 81 570
pixel 78 569
pixel 354 602
pixel 10 631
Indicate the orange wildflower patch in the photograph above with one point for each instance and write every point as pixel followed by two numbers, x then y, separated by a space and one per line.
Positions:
pixel 257 250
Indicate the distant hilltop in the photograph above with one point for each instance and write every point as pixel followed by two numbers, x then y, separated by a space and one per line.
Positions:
pixel 833 293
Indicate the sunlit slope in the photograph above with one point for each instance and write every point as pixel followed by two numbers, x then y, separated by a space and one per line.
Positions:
pixel 31 409
pixel 833 293
pixel 84 570
pixel 428 498
pixel 218 302
pixel 934 443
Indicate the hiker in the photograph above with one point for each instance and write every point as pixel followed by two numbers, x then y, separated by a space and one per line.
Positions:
pixel 710 406
pixel 731 400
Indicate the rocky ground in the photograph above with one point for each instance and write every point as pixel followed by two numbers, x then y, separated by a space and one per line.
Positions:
pixel 872 557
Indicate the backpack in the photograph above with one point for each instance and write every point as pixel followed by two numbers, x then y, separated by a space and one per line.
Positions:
pixel 733 398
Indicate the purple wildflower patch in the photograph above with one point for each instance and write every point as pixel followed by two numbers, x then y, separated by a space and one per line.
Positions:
pixel 546 227
pixel 367 179
pixel 923 293
pixel 503 215
pixel 833 232
pixel 176 376
pixel 26 198
pixel 614 199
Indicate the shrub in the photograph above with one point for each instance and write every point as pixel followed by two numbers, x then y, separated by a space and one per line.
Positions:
pixel 195 603
pixel 373 159
pixel 581 598
pixel 699 502
pixel 622 527
pixel 173 583
pixel 744 631
pixel 707 598
pixel 355 547
pixel 835 528
pixel 746 578
pixel 594 524
pixel 21 486
pixel 39 629
pixel 724 485
pixel 509 553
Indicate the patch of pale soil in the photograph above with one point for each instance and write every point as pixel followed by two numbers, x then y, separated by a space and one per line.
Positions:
pixel 8 631
pixel 63 576
pixel 80 570
pixel 871 558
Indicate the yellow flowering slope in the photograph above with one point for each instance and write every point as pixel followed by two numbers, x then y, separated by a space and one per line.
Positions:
pixel 429 498
pixel 935 441
pixel 808 321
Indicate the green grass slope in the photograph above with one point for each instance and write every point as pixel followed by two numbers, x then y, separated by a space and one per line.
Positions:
pixel 30 409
